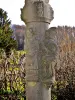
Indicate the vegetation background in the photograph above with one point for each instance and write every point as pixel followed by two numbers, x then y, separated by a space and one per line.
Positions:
pixel 12 62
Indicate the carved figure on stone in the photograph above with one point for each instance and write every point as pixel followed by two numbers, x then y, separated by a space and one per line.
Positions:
pixel 40 9
pixel 48 51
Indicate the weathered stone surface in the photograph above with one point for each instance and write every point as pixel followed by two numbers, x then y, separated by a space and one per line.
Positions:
pixel 41 49
pixel 35 10
pixel 38 92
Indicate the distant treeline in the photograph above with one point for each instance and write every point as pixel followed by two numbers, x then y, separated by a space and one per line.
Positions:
pixel 63 33
pixel 18 34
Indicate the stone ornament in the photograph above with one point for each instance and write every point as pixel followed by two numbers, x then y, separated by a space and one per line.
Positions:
pixel 40 43
pixel 44 51
pixel 37 10
pixel 29 1
pixel 49 52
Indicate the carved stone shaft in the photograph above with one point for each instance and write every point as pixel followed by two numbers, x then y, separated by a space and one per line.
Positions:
pixel 37 14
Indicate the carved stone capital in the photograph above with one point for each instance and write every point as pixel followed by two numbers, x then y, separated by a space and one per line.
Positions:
pixel 37 11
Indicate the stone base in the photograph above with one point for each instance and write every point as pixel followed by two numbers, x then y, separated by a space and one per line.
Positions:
pixel 37 91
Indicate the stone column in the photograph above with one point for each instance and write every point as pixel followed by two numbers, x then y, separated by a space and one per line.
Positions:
pixel 40 47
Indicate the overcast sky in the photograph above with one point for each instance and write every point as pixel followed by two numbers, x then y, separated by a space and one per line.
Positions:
pixel 64 11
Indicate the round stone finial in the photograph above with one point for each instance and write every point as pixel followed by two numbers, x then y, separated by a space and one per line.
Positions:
pixel 47 1
pixel 27 1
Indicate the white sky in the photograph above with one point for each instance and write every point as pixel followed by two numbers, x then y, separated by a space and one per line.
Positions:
pixel 64 11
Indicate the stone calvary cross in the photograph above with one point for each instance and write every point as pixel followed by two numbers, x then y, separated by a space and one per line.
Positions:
pixel 41 49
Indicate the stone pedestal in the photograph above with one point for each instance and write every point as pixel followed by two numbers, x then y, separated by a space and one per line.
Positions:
pixel 38 91
pixel 40 47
